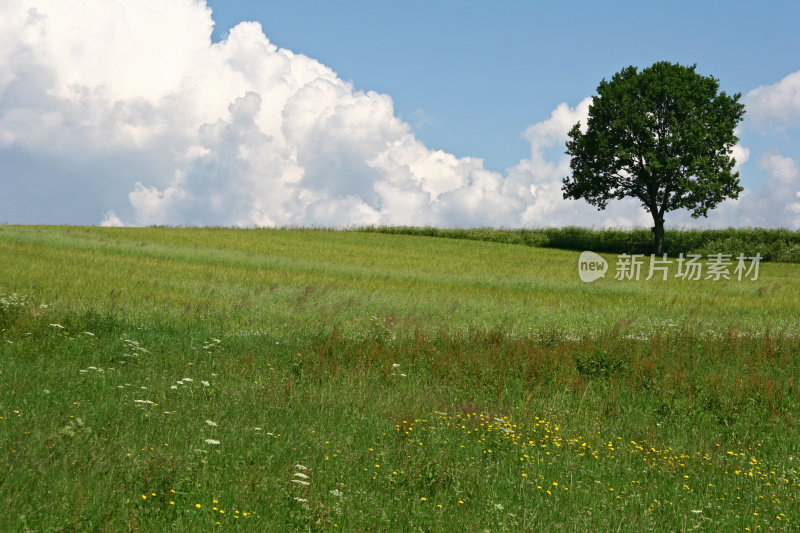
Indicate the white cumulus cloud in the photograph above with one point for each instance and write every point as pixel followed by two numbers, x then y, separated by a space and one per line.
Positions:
pixel 777 105
pixel 126 113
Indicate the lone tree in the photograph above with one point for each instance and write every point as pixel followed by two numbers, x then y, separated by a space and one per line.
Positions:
pixel 664 136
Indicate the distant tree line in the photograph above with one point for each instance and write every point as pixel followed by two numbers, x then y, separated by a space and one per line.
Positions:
pixel 780 245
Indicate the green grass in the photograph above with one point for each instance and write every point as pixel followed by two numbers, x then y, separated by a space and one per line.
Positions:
pixel 417 384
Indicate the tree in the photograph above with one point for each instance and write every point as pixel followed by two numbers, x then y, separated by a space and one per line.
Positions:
pixel 664 136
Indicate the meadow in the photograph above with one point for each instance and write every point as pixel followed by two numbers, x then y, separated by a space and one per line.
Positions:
pixel 159 379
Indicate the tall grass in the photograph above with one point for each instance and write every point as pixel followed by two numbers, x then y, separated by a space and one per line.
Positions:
pixel 159 379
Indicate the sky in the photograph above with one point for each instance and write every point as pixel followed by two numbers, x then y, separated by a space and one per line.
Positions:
pixel 311 113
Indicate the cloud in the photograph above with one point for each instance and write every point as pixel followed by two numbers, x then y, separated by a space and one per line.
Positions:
pixel 775 106
pixel 126 113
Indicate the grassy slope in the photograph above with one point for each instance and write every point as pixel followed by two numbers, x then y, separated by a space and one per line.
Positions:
pixel 310 325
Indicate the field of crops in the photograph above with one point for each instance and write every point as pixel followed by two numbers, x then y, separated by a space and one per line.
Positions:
pixel 154 379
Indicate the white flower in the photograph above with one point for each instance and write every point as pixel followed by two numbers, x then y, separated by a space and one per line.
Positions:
pixel 396 365
pixel 205 383
pixel 174 387
pixel 256 429
pixel 88 333
pixel 143 401
pixel 188 379
pixel 57 326
pixel 300 467
pixel 212 441
pixel 337 493
pixel 300 482
pixel 300 499
pixel 179 382
pixel 210 423
pixel 499 506
pixel 301 475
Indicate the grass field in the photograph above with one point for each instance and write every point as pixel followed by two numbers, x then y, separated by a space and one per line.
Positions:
pixel 156 379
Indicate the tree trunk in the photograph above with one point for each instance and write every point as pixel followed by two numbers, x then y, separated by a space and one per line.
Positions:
pixel 658 233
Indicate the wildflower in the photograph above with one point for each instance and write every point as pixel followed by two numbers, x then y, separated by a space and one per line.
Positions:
pixel 198 505
pixel 59 326
pixel 301 475
pixel 301 482
pixel 211 423
pixel 337 493
pixel 212 441
pixel 301 467
pixel 205 383
pixel 302 500
pixel 188 379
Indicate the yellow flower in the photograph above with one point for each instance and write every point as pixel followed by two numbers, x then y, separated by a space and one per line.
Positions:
pixel 198 505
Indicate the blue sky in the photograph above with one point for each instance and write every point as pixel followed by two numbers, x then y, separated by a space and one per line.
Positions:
pixel 471 76
pixel 266 113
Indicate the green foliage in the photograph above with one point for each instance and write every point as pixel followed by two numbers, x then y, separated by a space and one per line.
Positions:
pixel 781 245
pixel 663 136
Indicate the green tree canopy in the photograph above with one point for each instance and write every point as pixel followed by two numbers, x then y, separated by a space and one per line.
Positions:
pixel 664 136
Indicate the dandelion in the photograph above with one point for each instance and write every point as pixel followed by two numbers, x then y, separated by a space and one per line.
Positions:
pixel 198 505
pixel 212 441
